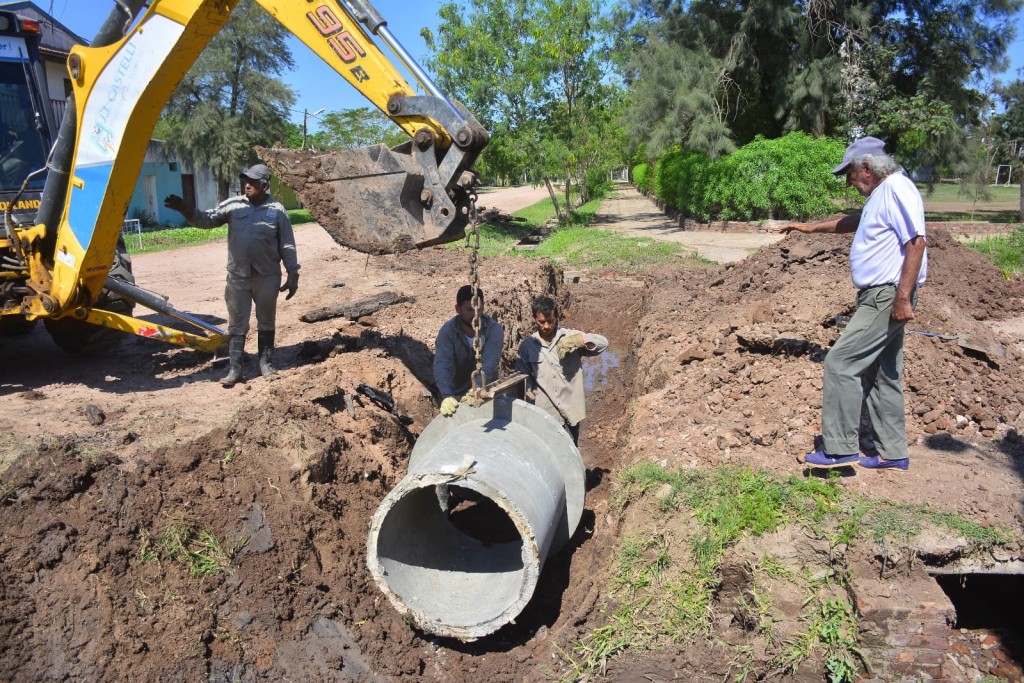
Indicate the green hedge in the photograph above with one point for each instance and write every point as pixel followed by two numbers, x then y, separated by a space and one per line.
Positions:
pixel 642 177
pixel 783 178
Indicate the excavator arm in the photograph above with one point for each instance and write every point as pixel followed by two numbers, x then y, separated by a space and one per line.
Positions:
pixel 374 199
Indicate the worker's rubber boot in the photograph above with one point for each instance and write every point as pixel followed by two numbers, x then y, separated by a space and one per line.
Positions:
pixel 266 346
pixel 236 353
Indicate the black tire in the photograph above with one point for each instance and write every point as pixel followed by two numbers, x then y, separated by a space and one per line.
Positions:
pixel 81 338
pixel 15 325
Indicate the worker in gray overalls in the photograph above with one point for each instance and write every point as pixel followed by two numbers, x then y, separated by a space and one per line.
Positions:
pixel 260 239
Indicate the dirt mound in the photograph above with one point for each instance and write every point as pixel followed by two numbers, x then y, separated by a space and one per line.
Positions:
pixel 729 359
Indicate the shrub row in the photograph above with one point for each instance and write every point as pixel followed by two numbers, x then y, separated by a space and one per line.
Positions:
pixel 784 178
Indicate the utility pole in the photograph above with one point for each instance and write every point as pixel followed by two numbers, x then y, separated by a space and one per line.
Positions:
pixel 305 122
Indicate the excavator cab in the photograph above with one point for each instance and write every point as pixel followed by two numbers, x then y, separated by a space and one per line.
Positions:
pixel 25 125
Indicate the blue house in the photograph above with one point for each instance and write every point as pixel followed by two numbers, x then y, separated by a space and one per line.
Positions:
pixel 162 175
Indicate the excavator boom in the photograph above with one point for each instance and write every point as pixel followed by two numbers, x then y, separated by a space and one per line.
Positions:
pixel 375 199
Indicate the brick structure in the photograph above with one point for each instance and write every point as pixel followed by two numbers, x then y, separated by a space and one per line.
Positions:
pixel 904 627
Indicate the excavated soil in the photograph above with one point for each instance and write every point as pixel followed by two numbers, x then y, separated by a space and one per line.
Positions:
pixel 103 458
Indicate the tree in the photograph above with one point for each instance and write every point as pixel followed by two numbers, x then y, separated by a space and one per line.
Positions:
pixel 484 55
pixel 1008 129
pixel 229 102
pixel 360 127
pixel 532 73
pixel 725 72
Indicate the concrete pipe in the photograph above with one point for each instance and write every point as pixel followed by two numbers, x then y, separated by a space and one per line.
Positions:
pixel 490 494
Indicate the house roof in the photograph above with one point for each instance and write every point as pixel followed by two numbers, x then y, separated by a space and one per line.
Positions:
pixel 56 39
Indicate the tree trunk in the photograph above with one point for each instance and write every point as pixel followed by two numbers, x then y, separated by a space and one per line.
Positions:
pixel 1021 179
pixel 554 198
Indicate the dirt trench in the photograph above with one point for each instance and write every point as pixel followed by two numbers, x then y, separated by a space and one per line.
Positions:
pixel 99 575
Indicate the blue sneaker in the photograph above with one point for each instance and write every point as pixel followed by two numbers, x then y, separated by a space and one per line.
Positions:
pixel 873 462
pixel 820 458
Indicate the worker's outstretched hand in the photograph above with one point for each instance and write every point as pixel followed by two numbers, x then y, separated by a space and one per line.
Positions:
pixel 449 406
pixel 291 284
pixel 570 344
pixel 176 203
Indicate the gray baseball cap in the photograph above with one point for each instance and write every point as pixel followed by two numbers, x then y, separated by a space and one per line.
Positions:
pixel 259 173
pixel 865 147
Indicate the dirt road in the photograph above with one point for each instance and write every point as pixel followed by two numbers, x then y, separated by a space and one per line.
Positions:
pixel 708 366
pixel 629 212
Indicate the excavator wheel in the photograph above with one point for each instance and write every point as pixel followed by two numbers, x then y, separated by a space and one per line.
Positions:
pixel 81 338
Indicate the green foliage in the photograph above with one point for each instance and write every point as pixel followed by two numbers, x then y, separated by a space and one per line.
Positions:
pixel 642 177
pixel 597 183
pixel 175 238
pixel 299 216
pixel 711 76
pixel 585 247
pixel 530 70
pixel 1006 252
pixel 575 243
pixel 354 128
pixel 783 178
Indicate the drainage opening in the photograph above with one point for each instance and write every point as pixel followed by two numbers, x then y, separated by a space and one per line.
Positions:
pixel 989 618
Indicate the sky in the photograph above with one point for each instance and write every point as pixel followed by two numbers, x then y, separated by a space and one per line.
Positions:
pixel 309 80
pixel 316 85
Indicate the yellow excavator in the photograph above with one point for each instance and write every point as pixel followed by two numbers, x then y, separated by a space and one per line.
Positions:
pixel 60 257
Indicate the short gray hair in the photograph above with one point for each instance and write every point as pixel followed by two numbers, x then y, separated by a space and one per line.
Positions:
pixel 882 165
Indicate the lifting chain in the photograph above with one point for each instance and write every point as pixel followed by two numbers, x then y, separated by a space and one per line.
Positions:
pixel 477 379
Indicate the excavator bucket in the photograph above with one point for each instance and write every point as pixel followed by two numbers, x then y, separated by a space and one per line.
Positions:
pixel 375 199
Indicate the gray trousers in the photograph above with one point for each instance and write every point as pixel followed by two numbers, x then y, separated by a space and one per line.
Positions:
pixel 241 292
pixel 865 366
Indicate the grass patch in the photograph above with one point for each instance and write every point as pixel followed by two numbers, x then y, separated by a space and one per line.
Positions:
pixel 175 238
pixel 178 238
pixel 663 587
pixel 184 542
pixel 574 243
pixel 1005 251
pixel 950 192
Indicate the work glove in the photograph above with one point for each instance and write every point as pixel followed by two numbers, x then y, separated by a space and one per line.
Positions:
pixel 291 284
pixel 176 203
pixel 470 398
pixel 449 406
pixel 569 344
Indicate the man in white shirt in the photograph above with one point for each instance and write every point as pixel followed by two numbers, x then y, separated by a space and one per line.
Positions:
pixel 888 262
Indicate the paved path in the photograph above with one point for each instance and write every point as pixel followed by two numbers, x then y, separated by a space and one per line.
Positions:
pixel 509 199
pixel 632 213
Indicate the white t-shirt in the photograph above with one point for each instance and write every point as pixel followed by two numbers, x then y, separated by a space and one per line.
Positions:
pixel 892 216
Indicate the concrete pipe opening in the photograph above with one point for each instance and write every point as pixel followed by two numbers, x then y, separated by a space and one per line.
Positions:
pixel 490 494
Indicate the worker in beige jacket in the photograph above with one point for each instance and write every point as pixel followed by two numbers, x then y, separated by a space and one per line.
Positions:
pixel 552 358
